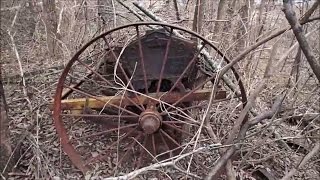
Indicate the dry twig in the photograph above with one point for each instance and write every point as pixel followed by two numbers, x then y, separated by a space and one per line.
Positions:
pixel 315 150
pixel 15 50
pixel 228 154
pixel 131 10
pixel 170 162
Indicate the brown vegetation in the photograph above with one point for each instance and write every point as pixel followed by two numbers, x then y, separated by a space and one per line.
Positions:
pixel 274 46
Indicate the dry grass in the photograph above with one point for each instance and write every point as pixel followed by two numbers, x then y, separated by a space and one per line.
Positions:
pixel 272 147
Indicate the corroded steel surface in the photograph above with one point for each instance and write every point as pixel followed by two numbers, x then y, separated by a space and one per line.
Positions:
pixel 154 45
pixel 150 121
pixel 158 65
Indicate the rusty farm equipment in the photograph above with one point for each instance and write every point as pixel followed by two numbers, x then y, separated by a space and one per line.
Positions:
pixel 137 94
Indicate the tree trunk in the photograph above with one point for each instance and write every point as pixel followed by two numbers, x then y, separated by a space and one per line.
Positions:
pixel 222 30
pixel 198 16
pixel 50 17
pixel 220 14
pixel 242 25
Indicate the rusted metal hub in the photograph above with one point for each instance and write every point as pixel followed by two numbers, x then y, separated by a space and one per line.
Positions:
pixel 150 121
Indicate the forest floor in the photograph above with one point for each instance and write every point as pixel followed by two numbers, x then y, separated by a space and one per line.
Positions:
pixel 284 140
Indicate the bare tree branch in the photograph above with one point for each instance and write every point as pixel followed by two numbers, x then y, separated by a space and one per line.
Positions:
pixel 315 150
pixel 257 44
pixel 175 3
pixel 198 16
pixel 310 11
pixel 131 10
pixel 166 163
pixel 15 50
pixel 301 38
pixel 228 154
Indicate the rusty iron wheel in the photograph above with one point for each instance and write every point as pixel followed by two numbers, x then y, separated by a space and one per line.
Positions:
pixel 127 96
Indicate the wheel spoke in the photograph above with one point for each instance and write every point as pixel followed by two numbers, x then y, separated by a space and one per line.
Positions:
pixel 100 156
pixel 178 129
pixel 142 60
pixel 142 149
pixel 165 144
pixel 141 107
pixel 186 68
pixel 107 131
pixel 153 145
pixel 134 142
pixel 124 73
pixel 190 92
pixel 169 137
pixel 95 72
pixel 164 61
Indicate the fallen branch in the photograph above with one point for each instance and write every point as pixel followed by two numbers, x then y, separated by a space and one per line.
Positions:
pixel 149 13
pixel 214 172
pixel 312 153
pixel 236 128
pixel 171 162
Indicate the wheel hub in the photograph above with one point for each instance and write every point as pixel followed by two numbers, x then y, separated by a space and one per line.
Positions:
pixel 150 121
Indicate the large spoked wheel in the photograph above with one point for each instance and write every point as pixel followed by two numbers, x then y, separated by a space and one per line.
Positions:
pixel 138 94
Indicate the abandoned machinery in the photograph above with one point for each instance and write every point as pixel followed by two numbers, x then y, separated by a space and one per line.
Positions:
pixel 135 93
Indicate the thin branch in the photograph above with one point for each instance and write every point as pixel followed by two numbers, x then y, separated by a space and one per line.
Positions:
pixel 131 10
pixel 15 50
pixel 310 11
pixel 244 112
pixel 293 47
pixel 148 13
pixel 312 153
pixel 171 162
pixel 205 53
pixel 301 37
pixel 175 3
pixel 228 154
pixel 257 44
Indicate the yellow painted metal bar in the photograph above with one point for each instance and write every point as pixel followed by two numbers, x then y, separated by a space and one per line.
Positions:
pixel 105 101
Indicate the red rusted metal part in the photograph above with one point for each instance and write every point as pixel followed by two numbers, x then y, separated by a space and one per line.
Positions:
pixel 62 132
pixel 225 58
pixel 158 61
pixel 150 121
pixel 164 63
